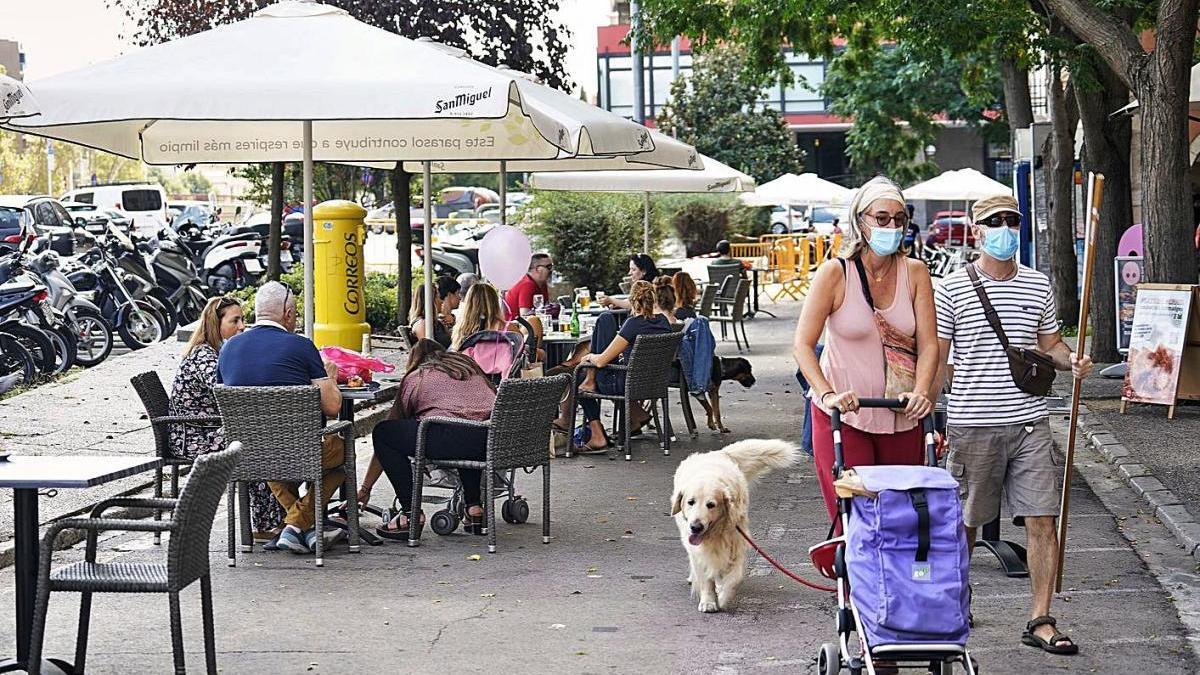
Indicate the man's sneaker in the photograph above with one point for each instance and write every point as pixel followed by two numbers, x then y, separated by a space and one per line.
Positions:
pixel 292 539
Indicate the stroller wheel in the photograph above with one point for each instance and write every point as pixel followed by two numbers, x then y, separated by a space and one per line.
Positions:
pixel 443 523
pixel 515 511
pixel 829 660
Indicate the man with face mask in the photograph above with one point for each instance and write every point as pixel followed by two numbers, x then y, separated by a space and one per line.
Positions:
pixel 999 435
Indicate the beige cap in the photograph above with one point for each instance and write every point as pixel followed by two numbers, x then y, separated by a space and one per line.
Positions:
pixel 993 205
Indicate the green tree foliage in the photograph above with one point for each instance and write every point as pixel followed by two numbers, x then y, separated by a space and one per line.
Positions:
pixel 195 182
pixel 589 235
pixel 716 110
pixel 23 165
pixel 878 86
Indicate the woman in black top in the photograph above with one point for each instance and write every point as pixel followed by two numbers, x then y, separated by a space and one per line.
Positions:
pixel 449 295
pixel 645 320
pixel 685 295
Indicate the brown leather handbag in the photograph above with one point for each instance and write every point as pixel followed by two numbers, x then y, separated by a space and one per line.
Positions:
pixel 1032 371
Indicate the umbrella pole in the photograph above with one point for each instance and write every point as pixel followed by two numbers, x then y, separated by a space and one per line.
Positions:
pixel 646 223
pixel 427 176
pixel 503 193
pixel 309 253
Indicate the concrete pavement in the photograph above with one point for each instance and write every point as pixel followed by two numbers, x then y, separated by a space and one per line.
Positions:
pixel 608 593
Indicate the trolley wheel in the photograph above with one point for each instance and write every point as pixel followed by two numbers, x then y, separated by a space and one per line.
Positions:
pixel 443 523
pixel 515 511
pixel 829 660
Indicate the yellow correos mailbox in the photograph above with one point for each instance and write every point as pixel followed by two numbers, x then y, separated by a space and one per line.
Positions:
pixel 341 303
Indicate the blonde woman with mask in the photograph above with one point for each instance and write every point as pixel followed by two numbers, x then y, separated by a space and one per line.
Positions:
pixel 875 306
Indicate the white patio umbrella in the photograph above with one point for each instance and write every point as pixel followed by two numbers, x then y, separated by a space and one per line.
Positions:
pixel 714 178
pixel 967 185
pixel 15 99
pixel 806 188
pixel 302 81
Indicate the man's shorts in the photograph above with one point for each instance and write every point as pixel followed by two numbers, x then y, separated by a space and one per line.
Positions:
pixel 1020 458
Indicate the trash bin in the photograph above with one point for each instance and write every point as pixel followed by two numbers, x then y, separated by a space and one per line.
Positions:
pixel 341 302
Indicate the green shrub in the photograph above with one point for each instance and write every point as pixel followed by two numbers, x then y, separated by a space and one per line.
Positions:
pixel 751 221
pixel 700 225
pixel 379 289
pixel 589 235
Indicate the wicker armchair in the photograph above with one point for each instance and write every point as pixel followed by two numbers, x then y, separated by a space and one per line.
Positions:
pixel 187 559
pixel 708 295
pixel 732 312
pixel 518 432
pixel 150 389
pixel 280 432
pixel 647 375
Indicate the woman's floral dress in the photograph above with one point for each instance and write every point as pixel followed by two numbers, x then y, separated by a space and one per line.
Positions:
pixel 192 395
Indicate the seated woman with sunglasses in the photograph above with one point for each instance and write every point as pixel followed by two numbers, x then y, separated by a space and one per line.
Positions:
pixel 875 306
pixel 437 383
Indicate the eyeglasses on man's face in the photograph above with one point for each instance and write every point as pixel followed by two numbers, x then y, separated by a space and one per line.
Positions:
pixel 1004 219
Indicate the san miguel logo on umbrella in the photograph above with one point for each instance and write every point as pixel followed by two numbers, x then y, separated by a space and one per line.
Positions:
pixel 464 100
pixel 13 99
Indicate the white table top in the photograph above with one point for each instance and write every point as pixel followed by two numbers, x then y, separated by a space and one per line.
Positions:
pixel 69 471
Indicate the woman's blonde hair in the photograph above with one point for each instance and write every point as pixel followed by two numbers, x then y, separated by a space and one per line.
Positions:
pixel 879 187
pixel 417 311
pixel 685 290
pixel 480 311
pixel 208 330
pixel 643 299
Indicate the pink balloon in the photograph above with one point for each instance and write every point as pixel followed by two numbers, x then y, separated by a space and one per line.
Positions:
pixel 504 256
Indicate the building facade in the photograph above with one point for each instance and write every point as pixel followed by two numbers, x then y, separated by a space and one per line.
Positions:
pixel 12 59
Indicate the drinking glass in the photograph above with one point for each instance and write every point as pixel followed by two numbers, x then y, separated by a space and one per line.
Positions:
pixel 585 298
pixel 539 303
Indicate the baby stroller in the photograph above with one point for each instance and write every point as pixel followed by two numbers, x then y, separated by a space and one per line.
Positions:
pixel 501 355
pixel 901 565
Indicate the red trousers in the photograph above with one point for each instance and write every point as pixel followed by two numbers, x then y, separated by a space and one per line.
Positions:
pixel 859 448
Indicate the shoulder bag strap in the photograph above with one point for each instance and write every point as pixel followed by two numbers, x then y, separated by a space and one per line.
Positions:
pixel 862 279
pixel 988 311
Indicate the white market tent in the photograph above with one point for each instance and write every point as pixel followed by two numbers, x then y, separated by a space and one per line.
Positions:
pixel 410 100
pixel 714 178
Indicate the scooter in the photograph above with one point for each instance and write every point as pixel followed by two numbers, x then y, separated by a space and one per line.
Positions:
pixel 171 262
pixel 122 299
pixel 93 333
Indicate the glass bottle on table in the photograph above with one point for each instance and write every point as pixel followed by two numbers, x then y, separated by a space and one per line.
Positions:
pixel 575 320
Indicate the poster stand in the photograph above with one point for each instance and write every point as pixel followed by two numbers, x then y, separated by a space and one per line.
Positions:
pixel 1164 353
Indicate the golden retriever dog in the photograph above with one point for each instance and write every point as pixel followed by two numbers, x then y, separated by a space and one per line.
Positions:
pixel 711 500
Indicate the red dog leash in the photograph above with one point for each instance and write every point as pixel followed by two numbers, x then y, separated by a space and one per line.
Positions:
pixel 781 568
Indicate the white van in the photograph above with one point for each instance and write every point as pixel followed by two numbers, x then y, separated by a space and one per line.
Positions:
pixel 144 203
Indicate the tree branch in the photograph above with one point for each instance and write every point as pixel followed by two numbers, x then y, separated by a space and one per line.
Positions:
pixel 1111 39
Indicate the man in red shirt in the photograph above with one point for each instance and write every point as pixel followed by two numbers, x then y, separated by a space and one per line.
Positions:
pixel 519 298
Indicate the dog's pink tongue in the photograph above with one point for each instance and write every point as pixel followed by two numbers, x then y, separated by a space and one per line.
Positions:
pixel 695 539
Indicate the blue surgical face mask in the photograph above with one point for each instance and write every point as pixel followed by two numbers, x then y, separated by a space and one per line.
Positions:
pixel 885 241
pixel 1000 243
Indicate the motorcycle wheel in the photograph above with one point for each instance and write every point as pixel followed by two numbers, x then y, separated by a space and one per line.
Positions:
pixel 166 309
pixel 140 326
pixel 38 344
pixel 191 304
pixel 94 337
pixel 15 359
pixel 66 348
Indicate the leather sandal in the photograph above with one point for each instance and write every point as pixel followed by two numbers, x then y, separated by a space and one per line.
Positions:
pixel 473 524
pixel 1055 645
pixel 386 530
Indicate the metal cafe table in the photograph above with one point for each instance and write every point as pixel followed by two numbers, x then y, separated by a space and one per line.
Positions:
pixel 26 474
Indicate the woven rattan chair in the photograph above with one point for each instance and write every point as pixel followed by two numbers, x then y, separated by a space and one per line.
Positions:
pixel 733 313
pixel 707 296
pixel 518 432
pixel 280 432
pixel 150 389
pixel 647 375
pixel 718 272
pixel 187 559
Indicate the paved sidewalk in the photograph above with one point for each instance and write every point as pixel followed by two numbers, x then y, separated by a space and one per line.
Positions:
pixel 608 593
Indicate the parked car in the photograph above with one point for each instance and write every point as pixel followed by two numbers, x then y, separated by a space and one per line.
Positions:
pixel 144 203
pixel 95 219
pixel 821 219
pixel 196 213
pixel 950 227
pixel 51 222
pixel 13 221
pixel 383 219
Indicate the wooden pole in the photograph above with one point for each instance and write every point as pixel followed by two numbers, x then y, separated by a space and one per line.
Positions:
pixel 1095 195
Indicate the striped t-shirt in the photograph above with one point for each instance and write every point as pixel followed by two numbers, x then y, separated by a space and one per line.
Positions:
pixel 983 392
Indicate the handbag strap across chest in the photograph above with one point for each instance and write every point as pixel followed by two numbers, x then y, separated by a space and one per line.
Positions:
pixel 989 311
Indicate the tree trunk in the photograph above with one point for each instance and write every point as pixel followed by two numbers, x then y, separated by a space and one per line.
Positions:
pixel 275 233
pixel 1162 88
pixel 400 200
pixel 1106 150
pixel 1017 103
pixel 1060 156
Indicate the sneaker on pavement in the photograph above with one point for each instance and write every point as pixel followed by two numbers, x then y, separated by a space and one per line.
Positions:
pixel 292 539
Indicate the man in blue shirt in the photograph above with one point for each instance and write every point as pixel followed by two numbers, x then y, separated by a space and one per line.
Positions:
pixel 271 354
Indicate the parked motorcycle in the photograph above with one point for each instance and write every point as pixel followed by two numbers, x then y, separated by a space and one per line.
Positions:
pixel 26 313
pixel 170 260
pixel 93 333
pixel 123 298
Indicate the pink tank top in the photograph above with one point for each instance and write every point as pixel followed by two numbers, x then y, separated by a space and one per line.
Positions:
pixel 853 355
